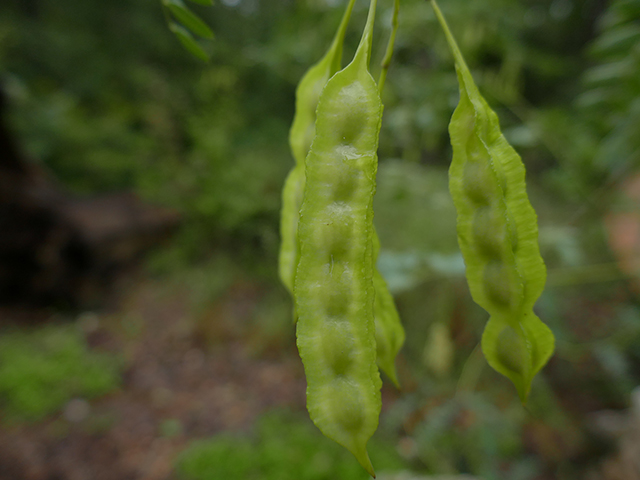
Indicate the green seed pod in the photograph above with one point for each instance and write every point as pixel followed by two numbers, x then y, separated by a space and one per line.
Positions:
pixel 333 289
pixel 497 233
pixel 389 331
pixel 300 138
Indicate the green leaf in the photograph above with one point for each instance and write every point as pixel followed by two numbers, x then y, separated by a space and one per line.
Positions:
pixel 188 42
pixel 616 40
pixel 189 19
pixel 203 2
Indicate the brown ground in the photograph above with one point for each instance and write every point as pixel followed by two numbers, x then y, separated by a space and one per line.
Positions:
pixel 176 387
pixel 191 373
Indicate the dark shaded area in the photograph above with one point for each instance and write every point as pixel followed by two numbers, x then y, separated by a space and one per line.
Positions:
pixel 64 249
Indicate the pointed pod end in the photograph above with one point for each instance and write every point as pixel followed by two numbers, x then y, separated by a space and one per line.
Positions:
pixel 363 458
pixel 390 371
pixel 523 386
pixel 523 392
pixel 393 376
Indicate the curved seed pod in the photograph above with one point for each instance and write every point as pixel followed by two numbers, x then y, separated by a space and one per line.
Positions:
pixel 300 138
pixel 389 331
pixel 497 233
pixel 333 285
pixel 289 214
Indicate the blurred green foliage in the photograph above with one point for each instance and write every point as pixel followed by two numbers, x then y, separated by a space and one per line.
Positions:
pixel 105 98
pixel 283 447
pixel 611 86
pixel 110 101
pixel 473 435
pixel 42 369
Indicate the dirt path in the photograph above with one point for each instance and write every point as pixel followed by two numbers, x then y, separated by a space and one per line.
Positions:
pixel 175 389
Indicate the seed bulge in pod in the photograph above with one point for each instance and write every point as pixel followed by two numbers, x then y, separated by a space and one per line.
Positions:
pixel 477 180
pixel 498 284
pixel 489 231
pixel 338 346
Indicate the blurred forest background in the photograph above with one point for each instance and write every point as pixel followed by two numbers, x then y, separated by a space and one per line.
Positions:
pixel 184 366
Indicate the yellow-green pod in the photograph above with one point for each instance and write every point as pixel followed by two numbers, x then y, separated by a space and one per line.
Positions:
pixel 333 290
pixel 497 233
pixel 389 331
pixel 300 138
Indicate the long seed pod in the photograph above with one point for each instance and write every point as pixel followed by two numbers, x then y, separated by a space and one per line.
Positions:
pixel 389 331
pixel 300 138
pixel 497 233
pixel 333 284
